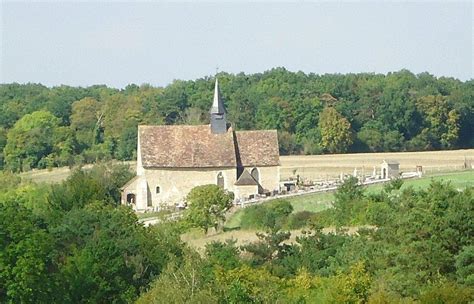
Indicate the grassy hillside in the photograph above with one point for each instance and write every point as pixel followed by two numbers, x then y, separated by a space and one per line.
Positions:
pixel 320 201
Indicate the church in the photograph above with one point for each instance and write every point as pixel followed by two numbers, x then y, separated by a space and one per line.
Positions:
pixel 173 159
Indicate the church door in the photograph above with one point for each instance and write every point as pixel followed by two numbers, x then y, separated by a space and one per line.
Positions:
pixel 131 198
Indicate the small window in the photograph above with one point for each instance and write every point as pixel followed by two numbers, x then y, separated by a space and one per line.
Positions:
pixel 220 180
pixel 255 175
pixel 157 189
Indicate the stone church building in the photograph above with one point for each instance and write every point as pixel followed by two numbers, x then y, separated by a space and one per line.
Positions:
pixel 173 159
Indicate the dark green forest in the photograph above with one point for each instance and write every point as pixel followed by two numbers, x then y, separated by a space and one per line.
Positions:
pixel 73 243
pixel 43 127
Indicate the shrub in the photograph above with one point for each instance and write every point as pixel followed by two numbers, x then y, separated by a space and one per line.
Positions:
pixel 322 218
pixel 299 219
pixel 267 216
pixel 254 217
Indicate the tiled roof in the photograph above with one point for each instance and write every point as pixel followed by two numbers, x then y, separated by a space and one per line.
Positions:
pixel 186 147
pixel 181 146
pixel 258 148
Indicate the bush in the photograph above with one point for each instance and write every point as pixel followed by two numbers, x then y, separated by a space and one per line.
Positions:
pixel 322 218
pixel 447 292
pixel 255 217
pixel 299 219
pixel 267 216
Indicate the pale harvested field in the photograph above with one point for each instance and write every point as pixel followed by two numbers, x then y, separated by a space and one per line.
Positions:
pixel 317 167
pixel 243 237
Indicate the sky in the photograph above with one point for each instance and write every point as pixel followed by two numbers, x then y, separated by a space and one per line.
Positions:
pixel 118 43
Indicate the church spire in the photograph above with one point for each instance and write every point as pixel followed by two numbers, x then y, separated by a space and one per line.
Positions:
pixel 218 120
pixel 217 105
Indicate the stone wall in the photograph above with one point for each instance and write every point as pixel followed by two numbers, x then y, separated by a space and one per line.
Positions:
pixel 269 177
pixel 174 184
pixel 244 191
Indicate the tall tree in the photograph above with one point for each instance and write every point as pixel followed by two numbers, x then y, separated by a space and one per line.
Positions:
pixel 335 129
pixel 86 120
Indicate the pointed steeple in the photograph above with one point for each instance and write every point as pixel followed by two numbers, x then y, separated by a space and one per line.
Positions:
pixel 218 120
pixel 217 105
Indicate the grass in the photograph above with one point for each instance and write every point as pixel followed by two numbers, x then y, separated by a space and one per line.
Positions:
pixel 146 215
pixel 50 176
pixel 459 180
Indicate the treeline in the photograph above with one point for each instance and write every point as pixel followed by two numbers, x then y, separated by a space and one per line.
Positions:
pixel 44 127
pixel 73 243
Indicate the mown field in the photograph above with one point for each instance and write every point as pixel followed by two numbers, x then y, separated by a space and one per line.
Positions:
pixel 316 203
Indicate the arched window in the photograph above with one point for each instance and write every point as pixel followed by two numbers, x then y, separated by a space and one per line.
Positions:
pixel 158 189
pixel 255 175
pixel 220 180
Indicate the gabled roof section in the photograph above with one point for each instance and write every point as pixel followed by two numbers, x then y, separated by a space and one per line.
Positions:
pixel 246 179
pixel 130 182
pixel 391 162
pixel 257 148
pixel 180 146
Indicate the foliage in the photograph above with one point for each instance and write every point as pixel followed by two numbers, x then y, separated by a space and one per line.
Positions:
pixel 351 287
pixel 85 248
pixel 25 257
pixel 465 265
pixel 35 141
pixel 299 219
pixel 312 113
pixel 180 283
pixel 207 205
pixel 270 246
pixel 71 243
pixel 268 216
pixel 348 197
pixel 335 131
pixel 447 292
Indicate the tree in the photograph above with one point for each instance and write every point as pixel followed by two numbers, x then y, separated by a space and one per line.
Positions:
pixel 441 119
pixel 270 246
pixel 31 139
pixel 25 257
pixel 335 131
pixel 86 120
pixel 193 116
pixel 347 197
pixel 3 142
pixel 372 138
pixel 207 206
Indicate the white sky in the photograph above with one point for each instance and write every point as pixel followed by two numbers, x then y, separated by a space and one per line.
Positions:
pixel 85 43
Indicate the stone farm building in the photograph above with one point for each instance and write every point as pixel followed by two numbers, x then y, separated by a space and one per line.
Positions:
pixel 173 159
